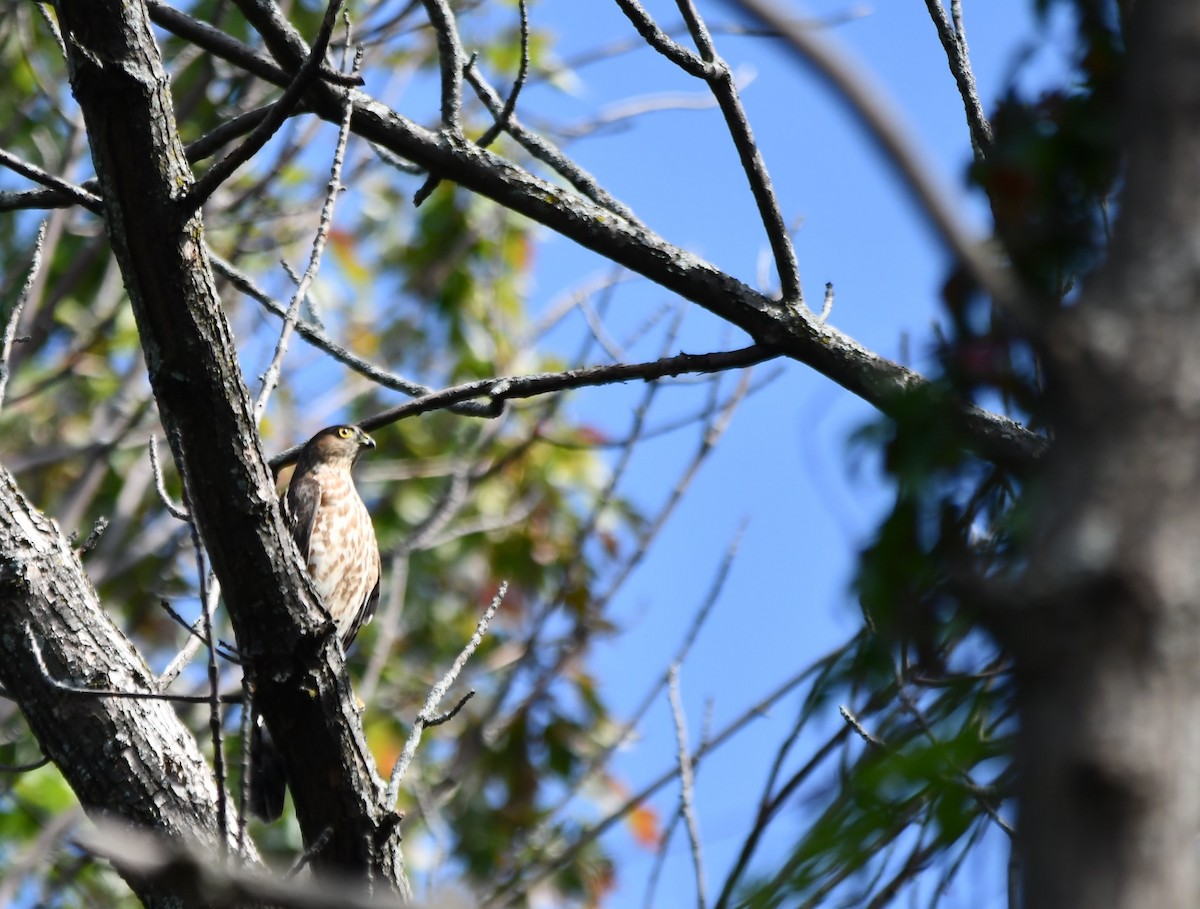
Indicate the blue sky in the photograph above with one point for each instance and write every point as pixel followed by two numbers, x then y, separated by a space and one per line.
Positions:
pixel 785 468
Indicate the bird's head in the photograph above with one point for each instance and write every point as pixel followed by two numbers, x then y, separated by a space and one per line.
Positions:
pixel 336 444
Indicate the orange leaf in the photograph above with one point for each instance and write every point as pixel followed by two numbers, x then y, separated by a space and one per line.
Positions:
pixel 644 825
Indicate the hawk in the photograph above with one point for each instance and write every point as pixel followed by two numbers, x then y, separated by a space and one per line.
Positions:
pixel 333 530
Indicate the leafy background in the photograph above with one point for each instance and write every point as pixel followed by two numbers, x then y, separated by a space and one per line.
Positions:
pixel 572 500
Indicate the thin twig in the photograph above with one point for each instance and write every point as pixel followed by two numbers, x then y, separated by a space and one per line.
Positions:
pixel 214 672
pixel 720 414
pixel 452 500
pixel 718 423
pixel 500 123
pixel 309 854
pixel 176 510
pixel 518 514
pixel 332 190
pixel 509 892
pixel 427 716
pixel 954 42
pixel 388 623
pixel 827 305
pixel 853 722
pixel 101 692
pixel 662 42
pixel 724 89
pixel 314 335
pixel 223 169
pixel 192 628
pixel 452 712
pixel 687 784
pixel 76 194
pixel 602 757
pixel 10 317
pixel 450 56
pixel 568 573
pixel 244 770
pixel 220 44
pixel 92 540
pixel 195 639
pixel 501 120
pixel 876 113
pixel 770 801
pixel 508 388
pixel 965 778
pixel 25 768
pixel 549 153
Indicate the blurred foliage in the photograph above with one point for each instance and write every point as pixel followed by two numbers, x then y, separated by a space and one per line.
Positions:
pixel 936 776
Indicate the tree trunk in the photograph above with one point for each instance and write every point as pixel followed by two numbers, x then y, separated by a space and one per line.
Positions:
pixel 127 758
pixel 1109 642
pixel 157 236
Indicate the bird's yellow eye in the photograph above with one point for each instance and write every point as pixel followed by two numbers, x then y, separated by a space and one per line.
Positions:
pixel 345 432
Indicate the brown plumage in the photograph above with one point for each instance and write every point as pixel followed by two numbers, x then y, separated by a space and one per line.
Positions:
pixel 333 530
pixel 330 524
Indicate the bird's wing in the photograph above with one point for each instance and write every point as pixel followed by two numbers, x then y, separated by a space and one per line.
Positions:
pixel 364 615
pixel 371 605
pixel 300 509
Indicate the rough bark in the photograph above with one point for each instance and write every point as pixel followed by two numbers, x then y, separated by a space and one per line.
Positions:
pixel 125 758
pixel 1109 645
pixel 157 237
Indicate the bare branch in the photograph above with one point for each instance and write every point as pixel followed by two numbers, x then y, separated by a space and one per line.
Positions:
pixel 546 152
pixel 11 316
pixel 75 193
pixel 687 783
pixel 877 380
pixel 219 44
pixel 510 104
pixel 870 104
pixel 176 510
pixel 509 891
pixel 771 800
pixel 507 388
pixel 725 91
pixel 214 674
pixel 102 692
pixel 501 119
pixel 450 57
pixel 603 755
pixel 315 336
pixel 662 42
pixel 954 42
pixel 332 190
pixel 427 717
pixel 718 421
pixel 222 170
